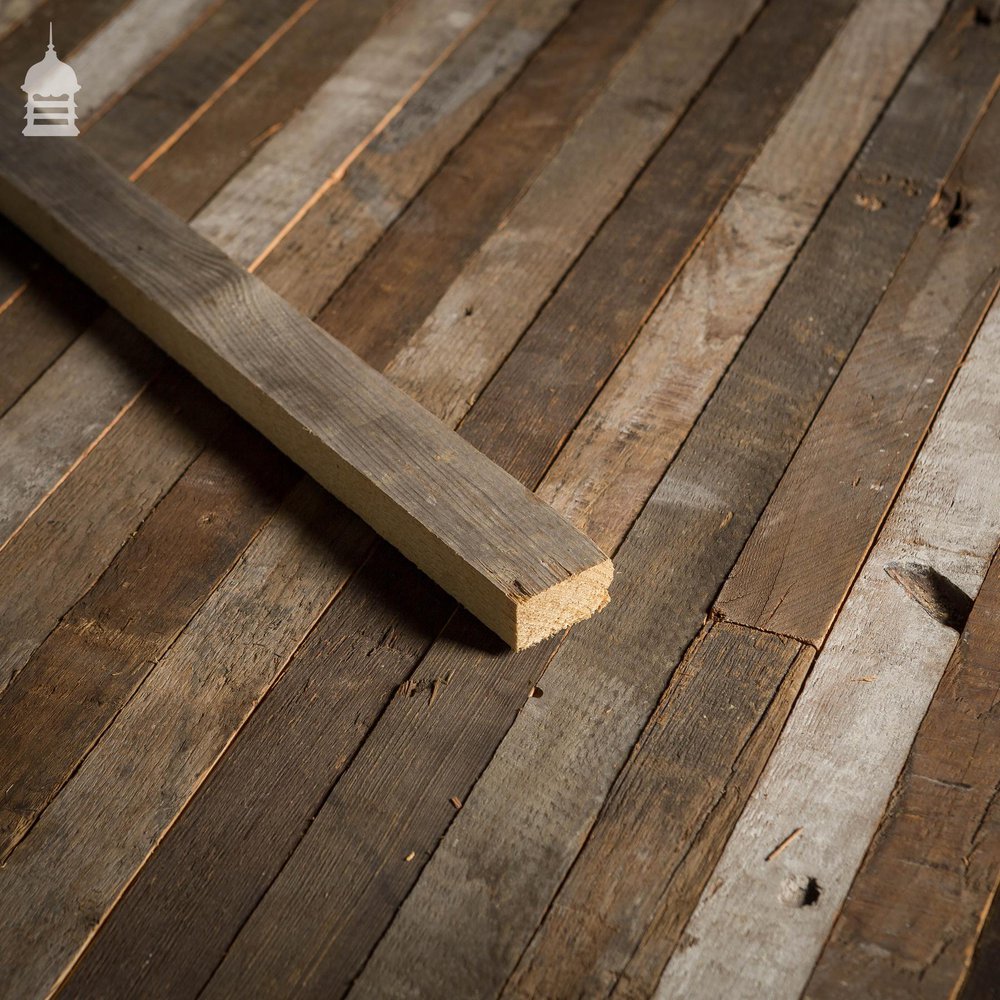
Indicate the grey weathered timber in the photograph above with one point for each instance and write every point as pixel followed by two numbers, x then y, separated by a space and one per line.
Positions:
pixel 505 555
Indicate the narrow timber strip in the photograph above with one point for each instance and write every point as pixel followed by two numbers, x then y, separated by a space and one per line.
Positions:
pixel 914 911
pixel 807 548
pixel 761 925
pixel 143 769
pixel 680 793
pixel 143 32
pixel 58 705
pixel 37 326
pixel 488 306
pixel 984 973
pixel 647 240
pixel 510 559
pixel 76 395
pixel 446 744
pixel 624 443
pixel 265 196
pixel 386 295
pixel 705 508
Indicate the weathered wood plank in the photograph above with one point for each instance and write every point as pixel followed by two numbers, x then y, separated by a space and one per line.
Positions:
pixel 81 390
pixel 910 922
pixel 704 510
pixel 264 197
pixel 59 881
pixel 15 11
pixel 460 729
pixel 795 571
pixel 623 444
pixel 511 560
pixel 644 244
pixel 192 895
pixel 58 705
pixel 482 314
pixel 383 297
pixel 760 927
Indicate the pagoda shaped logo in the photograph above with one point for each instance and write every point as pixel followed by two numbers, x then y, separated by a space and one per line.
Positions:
pixel 51 87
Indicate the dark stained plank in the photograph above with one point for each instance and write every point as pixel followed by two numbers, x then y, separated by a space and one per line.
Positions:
pixel 805 551
pixel 469 714
pixel 912 917
pixel 388 295
pixel 509 558
pixel 457 932
pixel 58 705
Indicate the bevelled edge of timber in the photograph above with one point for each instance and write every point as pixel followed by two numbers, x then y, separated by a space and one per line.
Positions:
pixel 915 909
pixel 509 558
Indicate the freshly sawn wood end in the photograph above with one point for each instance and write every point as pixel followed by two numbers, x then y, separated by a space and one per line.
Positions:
pixel 565 604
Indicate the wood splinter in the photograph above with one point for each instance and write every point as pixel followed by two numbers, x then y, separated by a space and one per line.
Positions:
pixel 516 564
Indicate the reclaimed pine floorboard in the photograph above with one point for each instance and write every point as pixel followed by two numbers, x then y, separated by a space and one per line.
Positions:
pixel 914 915
pixel 215 599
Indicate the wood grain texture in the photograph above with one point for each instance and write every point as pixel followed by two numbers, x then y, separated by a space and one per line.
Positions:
pixel 984 974
pixel 646 241
pixel 79 395
pixel 446 746
pixel 622 905
pixel 911 920
pixel 15 11
pixel 133 130
pixel 503 554
pixel 172 927
pixel 60 880
pixel 85 523
pixel 142 33
pixel 480 317
pixel 393 62
pixel 623 444
pixel 761 926
pixel 797 567
pixel 87 668
pixel 381 298
pixel 705 506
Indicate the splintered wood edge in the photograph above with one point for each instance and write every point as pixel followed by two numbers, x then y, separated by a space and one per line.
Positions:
pixel 578 598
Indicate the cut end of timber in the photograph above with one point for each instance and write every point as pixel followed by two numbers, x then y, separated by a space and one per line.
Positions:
pixel 542 615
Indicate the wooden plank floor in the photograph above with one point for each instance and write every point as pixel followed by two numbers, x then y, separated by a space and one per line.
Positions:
pixel 717 279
